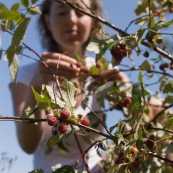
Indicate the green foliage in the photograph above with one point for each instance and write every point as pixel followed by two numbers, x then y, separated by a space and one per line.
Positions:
pixel 65 169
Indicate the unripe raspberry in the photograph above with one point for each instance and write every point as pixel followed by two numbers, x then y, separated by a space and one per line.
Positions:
pixel 134 150
pixel 64 114
pixel 63 128
pixel 85 121
pixel 52 120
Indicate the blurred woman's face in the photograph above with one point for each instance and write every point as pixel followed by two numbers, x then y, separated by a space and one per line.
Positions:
pixel 70 29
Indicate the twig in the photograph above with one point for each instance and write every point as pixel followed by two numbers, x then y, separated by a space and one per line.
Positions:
pixel 82 153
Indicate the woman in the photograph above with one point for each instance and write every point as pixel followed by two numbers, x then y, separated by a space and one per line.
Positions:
pixel 65 34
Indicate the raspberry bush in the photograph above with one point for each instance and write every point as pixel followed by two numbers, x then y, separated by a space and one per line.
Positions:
pixel 138 144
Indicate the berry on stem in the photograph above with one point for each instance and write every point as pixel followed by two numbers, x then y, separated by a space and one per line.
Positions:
pixel 85 121
pixel 63 128
pixel 52 120
pixel 65 114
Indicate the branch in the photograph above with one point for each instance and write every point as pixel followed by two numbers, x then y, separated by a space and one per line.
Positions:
pixel 100 19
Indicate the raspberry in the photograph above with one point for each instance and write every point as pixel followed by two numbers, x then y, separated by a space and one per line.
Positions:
pixel 63 128
pixel 135 164
pixel 134 150
pixel 79 64
pixel 84 70
pixel 98 64
pixel 127 101
pixel 150 144
pixel 85 121
pixel 64 114
pixel 52 120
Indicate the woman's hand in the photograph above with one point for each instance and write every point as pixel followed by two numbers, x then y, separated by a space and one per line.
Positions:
pixel 61 66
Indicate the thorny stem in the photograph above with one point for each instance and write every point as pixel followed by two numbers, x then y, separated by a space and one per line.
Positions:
pixel 100 19
pixel 82 153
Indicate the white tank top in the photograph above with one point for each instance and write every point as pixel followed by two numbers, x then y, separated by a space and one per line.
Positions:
pixel 57 158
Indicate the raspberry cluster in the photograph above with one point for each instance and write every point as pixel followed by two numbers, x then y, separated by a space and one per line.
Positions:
pixel 60 119
pixel 120 51
pixel 131 158
pixel 124 103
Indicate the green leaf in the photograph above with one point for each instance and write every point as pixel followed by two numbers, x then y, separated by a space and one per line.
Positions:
pixel 37 171
pixel 43 101
pixel 25 3
pixel 53 141
pixel 136 98
pixel 168 88
pixel 65 169
pixel 162 24
pixel 139 35
pixel 54 97
pixel 13 66
pixel 68 92
pixel 20 32
pixel 10 15
pixel 15 6
pixel 3 7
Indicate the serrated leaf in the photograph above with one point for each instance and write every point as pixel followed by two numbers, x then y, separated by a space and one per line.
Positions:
pixel 136 98
pixel 54 97
pixel 20 32
pixel 13 66
pixel 43 100
pixel 68 92
pixel 65 169
pixel 34 10
pixel 162 24
pixel 25 3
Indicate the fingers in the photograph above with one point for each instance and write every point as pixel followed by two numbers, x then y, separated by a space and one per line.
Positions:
pixel 60 65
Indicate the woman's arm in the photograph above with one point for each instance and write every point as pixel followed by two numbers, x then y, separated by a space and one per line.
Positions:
pixel 29 135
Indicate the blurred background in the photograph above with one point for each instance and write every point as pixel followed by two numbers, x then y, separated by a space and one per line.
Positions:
pixel 12 158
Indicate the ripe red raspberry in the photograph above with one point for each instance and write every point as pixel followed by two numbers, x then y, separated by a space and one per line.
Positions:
pixel 85 121
pixel 127 101
pixel 79 64
pixel 85 70
pixel 52 120
pixel 63 128
pixel 98 64
pixel 64 114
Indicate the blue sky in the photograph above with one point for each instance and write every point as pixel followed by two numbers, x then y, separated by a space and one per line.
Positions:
pixel 118 12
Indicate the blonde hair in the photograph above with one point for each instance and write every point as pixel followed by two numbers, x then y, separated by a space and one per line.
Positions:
pixel 47 40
